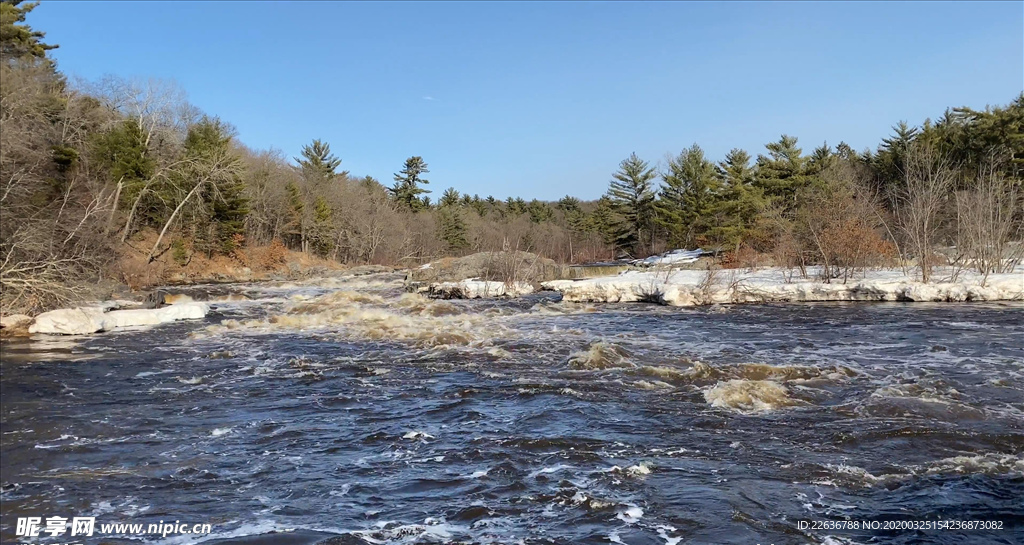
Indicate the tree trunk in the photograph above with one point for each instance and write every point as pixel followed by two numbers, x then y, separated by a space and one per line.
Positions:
pixel 171 220
pixel 113 210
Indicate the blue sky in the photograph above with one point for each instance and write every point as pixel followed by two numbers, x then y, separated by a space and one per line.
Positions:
pixel 542 99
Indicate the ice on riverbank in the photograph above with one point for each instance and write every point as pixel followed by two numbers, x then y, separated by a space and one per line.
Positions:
pixel 476 289
pixel 696 287
pixel 87 320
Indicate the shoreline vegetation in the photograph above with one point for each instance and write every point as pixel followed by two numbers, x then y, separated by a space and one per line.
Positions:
pixel 112 188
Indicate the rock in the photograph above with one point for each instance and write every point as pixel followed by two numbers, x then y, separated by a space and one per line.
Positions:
pixel 363 270
pixel 87 320
pixel 176 298
pixel 227 298
pixel 15 324
pixel 492 266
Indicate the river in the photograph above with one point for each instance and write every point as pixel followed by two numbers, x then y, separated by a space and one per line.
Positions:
pixel 345 411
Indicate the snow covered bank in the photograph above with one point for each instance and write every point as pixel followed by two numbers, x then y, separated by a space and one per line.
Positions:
pixel 87 320
pixel 476 289
pixel 695 287
pixel 671 257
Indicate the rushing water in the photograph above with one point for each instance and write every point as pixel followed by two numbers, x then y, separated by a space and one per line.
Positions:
pixel 348 412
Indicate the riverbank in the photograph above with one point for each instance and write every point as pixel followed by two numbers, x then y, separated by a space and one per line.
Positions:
pixel 685 288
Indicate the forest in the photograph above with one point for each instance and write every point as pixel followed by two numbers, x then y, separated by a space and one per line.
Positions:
pixel 123 180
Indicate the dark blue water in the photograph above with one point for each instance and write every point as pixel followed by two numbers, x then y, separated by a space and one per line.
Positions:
pixel 370 416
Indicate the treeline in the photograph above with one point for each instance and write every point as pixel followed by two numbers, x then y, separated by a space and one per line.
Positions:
pixel 953 185
pixel 93 172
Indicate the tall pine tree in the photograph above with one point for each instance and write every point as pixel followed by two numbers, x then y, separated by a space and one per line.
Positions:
pixel 318 164
pixel 741 201
pixel 783 172
pixel 687 200
pixel 407 188
pixel 631 193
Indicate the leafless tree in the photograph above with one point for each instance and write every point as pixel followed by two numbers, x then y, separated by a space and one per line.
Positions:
pixel 929 177
pixel 989 220
pixel 159 107
pixel 840 223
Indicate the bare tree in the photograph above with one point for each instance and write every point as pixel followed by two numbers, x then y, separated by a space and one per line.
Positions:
pixel 159 107
pixel 840 222
pixel 929 177
pixel 51 243
pixel 989 220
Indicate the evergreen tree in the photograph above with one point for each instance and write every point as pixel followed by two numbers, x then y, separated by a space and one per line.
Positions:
pixel 741 201
pixel 970 138
pixel 317 163
pixel 575 218
pixel 568 204
pixel 820 160
pixel 450 197
pixel 888 164
pixel 687 200
pixel 321 240
pixel 208 146
pixel 515 207
pixel 481 206
pixel 452 226
pixel 603 220
pixel 631 193
pixel 372 185
pixel 782 173
pixel 18 40
pixel 407 188
pixel 539 212
pixel 123 153
pixel 295 228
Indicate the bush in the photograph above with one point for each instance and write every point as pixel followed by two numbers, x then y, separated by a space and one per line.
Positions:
pixel 179 252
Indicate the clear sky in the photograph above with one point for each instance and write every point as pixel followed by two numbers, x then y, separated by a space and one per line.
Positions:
pixel 542 99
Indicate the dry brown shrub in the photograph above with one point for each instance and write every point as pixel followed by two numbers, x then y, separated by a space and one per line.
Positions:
pixel 743 257
pixel 268 257
pixel 137 273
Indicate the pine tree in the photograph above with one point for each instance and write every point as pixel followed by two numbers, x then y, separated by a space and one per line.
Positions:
pixel 889 163
pixel 481 206
pixel 123 153
pixel 687 200
pixel 317 163
pixel 296 226
pixel 603 220
pixel 372 185
pixel 515 207
pixel 539 212
pixel 568 204
pixel 450 197
pixel 782 173
pixel 209 143
pixel 18 40
pixel 452 226
pixel 406 189
pixel 740 203
pixel 631 193
pixel 820 160
pixel 321 240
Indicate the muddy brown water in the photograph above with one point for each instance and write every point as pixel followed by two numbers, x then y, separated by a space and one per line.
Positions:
pixel 345 411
